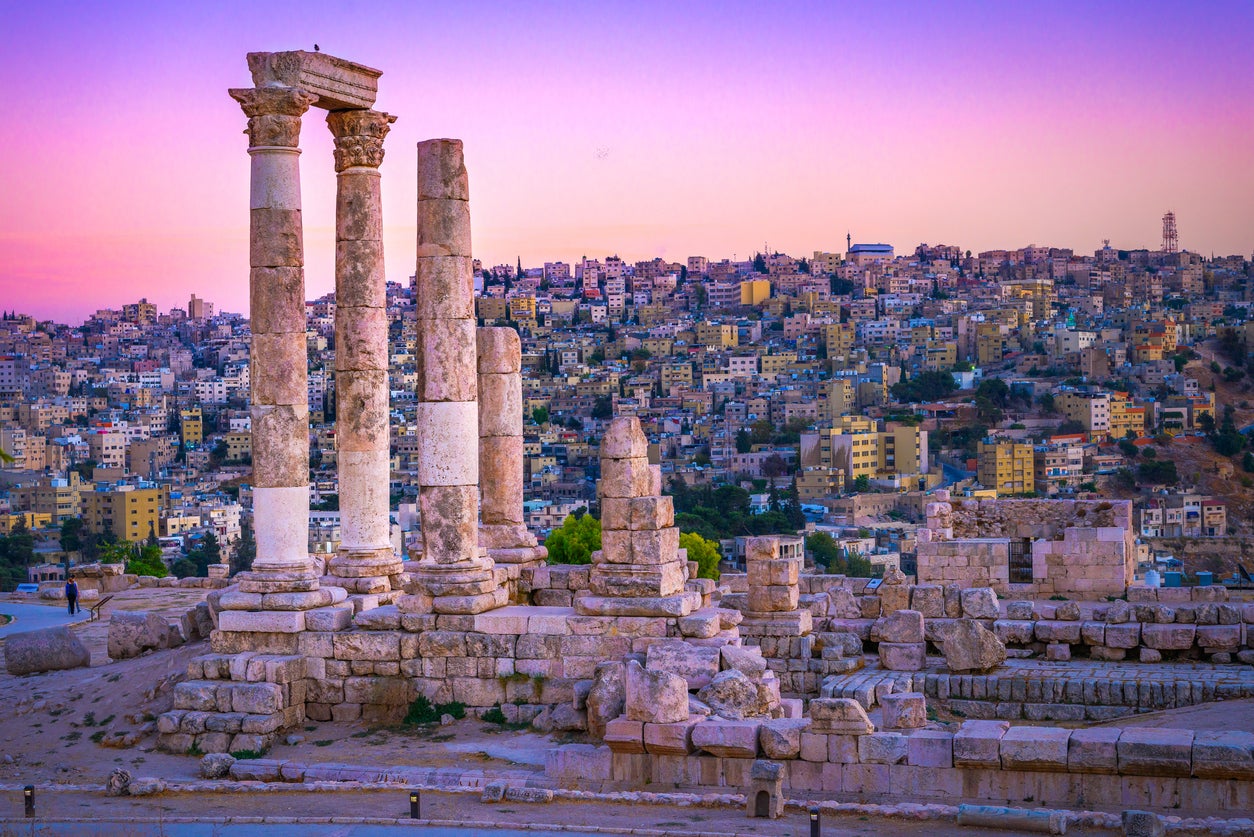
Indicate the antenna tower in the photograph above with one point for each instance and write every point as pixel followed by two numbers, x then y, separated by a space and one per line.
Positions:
pixel 1171 241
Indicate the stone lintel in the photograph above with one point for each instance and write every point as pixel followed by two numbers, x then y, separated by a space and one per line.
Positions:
pixel 339 84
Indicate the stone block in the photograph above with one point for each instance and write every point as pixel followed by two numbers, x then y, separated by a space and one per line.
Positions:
pixel 624 735
pixel 980 603
pixel 1093 750
pixel 1125 635
pixel 1223 754
pixel 658 697
pixel 727 739
pixel 902 626
pixel 883 748
pixel 1173 637
pixel 904 710
pixel 839 715
pixel 1035 748
pixel 903 656
pixel 978 744
pixel 1155 752
pixel 696 664
pixel 928 599
pixel 373 646
pixel 780 738
pixel 931 748
pixel 262 621
pixel 668 739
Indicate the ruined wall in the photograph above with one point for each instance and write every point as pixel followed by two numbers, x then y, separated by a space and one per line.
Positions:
pixel 1008 518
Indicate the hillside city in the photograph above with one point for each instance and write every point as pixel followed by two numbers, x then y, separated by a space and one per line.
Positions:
pixel 821 396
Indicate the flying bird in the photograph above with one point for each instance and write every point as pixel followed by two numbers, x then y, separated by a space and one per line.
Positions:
pixel 316 48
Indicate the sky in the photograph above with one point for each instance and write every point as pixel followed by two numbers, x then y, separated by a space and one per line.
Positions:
pixel 640 128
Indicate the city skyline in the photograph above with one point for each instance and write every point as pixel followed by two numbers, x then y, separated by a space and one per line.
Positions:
pixel 634 131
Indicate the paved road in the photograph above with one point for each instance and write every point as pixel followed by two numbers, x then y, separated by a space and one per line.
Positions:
pixel 32 617
pixel 218 829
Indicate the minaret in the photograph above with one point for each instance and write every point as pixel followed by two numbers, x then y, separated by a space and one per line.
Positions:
pixel 848 242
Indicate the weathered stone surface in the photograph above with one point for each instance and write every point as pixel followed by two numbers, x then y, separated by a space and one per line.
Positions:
pixel 624 439
pixel 1143 824
pixel 1155 752
pixel 978 744
pixel 902 626
pixel 1067 612
pixel 1223 754
pixel 1020 610
pixel 1093 750
pixel 1035 748
pixel 780 738
pixel 48 649
pixel 931 748
pixel 843 716
pixel 1174 637
pixel 973 647
pixel 904 710
pixel 624 735
pixel 980 603
pixel 727 738
pixel 903 656
pixel 883 748
pixel 747 659
pixel 732 695
pixel 668 739
pixel 216 765
pixel 696 664
pixel 656 697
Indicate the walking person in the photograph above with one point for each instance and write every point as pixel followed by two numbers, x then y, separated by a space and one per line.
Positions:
pixel 71 595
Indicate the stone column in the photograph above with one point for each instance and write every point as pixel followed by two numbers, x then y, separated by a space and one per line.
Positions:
pixel 279 371
pixel 455 575
pixel 365 559
pixel 503 531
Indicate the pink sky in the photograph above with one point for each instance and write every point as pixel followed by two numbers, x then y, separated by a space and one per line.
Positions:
pixel 637 128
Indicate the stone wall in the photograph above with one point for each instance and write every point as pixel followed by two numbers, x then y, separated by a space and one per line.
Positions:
pixel 1176 770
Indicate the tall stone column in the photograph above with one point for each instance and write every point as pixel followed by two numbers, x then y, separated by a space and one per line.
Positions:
pixel 455 575
pixel 365 559
pixel 279 371
pixel 503 530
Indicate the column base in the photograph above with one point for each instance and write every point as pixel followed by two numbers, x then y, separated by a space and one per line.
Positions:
pixel 462 578
pixel 364 571
pixel 279 577
pixel 680 604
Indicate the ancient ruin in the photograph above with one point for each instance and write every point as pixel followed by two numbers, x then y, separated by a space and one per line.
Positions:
pixel 776 682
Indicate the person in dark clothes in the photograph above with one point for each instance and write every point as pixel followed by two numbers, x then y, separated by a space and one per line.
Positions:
pixel 71 595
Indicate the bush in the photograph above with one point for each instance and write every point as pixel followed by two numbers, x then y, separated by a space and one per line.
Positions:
pixel 703 551
pixel 495 715
pixel 421 712
pixel 575 541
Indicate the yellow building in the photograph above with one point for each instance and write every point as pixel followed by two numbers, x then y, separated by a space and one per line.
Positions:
pixel 33 520
pixel 193 426
pixel 1007 467
pixel 129 512
pixel 57 497
pixel 839 338
pixel 777 364
pixel 491 308
pixel 1091 409
pixel 940 356
pixel 1125 417
pixel 522 308
pixel 755 291
pixel 717 335
pixel 239 446
pixel 837 397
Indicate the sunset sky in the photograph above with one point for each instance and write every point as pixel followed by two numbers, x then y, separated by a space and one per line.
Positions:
pixel 643 129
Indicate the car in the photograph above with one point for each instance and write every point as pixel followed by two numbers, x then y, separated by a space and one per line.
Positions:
pixel 28 589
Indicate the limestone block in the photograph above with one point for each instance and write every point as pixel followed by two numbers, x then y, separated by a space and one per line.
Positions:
pixel 893 598
pixel 843 605
pixel 777 571
pixel 632 581
pixel 978 744
pixel 442 371
pixel 268 622
pixel 668 739
pixel 902 626
pixel 276 238
pixel 499 351
pixel 1093 750
pixel 1014 631
pixel 442 170
pixel 843 716
pixel 1067 612
pixel 1035 748
pixel 655 546
pixel 1223 754
pixel 277 300
pixel 744 658
pixel 361 340
pixel 1124 635
pixel 375 646
pixel 256 698
pixel 780 738
pixel 727 738
pixel 448 443
pixel 703 624
pixel 1219 637
pixel 443 228
pixel 1174 637
pixel 657 697
pixel 1020 610
pixel 883 748
pixel 359 277
pixel 931 748
pixel 449 520
pixel 903 656
pixel 1058 652
pixel 761 548
pixel 1048 631
pixel 1093 633
pixel 773 598
pixel 1150 655
pixel 732 695
pixel 1155 752
pixel 500 405
pixel 928 599
pixel 904 710
pixel 281 447
pixel 980 603
pixel 626 478
pixel 696 664
pixel 624 735
pixel 624 439
pixel 607 698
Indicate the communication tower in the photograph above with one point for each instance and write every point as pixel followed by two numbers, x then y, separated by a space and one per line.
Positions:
pixel 1171 241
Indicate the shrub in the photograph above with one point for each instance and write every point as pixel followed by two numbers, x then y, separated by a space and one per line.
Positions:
pixel 421 712
pixel 495 715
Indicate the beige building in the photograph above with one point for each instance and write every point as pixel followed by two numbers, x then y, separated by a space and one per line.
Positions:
pixel 1006 467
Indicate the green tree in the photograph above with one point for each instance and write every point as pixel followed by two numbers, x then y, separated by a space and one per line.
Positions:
pixel 183 568
pixel 72 534
pixel 823 549
pixel 145 561
pixel 702 550
pixel 932 385
pixel 862 484
pixel 603 408
pixel 245 550
pixel 540 415
pixel 21 544
pixel 575 541
pixel 744 443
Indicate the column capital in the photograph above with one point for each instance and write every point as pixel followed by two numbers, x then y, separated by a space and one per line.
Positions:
pixel 273 113
pixel 359 137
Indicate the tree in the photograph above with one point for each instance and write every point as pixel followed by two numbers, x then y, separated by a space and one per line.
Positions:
pixel 702 550
pixel 823 549
pixel 72 534
pixel 575 541
pixel 603 408
pixel 759 263
pixel 995 390
pixel 932 385
pixel 1128 449
pixel 1157 472
pixel 21 544
pixel 210 552
pixel 744 444
pixel 245 550
pixel 862 484
pixel 774 466
pixel 145 561
pixel 540 415
pixel 183 568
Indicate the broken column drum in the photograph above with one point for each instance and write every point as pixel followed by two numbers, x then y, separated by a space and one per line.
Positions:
pixel 365 560
pixel 455 575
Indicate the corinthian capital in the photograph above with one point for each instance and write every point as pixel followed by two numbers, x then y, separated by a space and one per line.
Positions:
pixel 273 113
pixel 359 137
